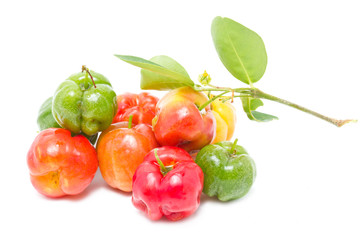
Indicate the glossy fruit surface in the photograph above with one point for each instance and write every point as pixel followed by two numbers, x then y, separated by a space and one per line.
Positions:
pixel 229 172
pixel 225 115
pixel 174 193
pixel 121 150
pixel 46 120
pixel 81 107
pixel 60 164
pixel 45 116
pixel 140 106
pixel 178 121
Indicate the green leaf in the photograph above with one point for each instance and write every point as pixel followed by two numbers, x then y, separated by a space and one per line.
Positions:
pixel 263 117
pixel 157 81
pixel 159 73
pixel 250 105
pixel 139 62
pixel 240 49
pixel 255 103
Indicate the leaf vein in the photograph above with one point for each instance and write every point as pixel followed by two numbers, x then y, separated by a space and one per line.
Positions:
pixel 235 51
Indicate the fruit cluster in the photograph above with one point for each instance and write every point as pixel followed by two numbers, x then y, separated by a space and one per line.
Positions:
pixel 167 151
pixel 141 145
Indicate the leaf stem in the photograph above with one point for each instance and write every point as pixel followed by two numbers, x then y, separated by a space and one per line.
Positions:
pixel 225 99
pixel 256 93
pixel 222 89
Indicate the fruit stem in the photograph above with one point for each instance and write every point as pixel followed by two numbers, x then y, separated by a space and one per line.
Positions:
pixel 130 122
pixel 163 169
pixel 211 100
pixel 259 94
pixel 86 69
pixel 233 150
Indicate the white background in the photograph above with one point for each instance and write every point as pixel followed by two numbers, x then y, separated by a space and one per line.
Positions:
pixel 309 173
